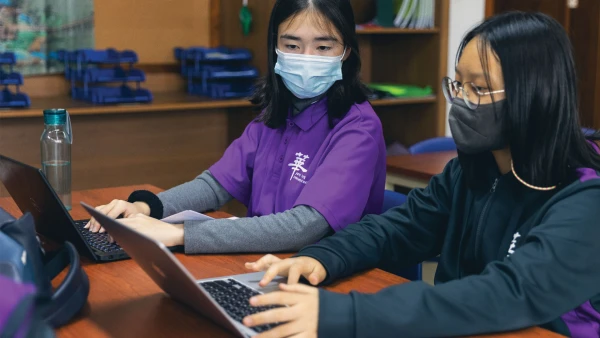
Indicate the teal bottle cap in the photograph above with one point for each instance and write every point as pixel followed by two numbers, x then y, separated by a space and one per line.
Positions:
pixel 55 116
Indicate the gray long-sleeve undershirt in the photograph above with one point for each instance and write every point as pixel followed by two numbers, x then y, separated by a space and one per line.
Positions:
pixel 286 231
pixel 201 194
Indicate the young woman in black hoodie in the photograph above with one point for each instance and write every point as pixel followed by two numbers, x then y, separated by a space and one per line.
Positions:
pixel 514 218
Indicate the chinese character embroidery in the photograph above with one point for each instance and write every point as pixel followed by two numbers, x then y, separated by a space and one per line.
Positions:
pixel 513 244
pixel 298 164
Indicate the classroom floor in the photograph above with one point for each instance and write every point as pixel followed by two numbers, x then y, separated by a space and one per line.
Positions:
pixel 429 271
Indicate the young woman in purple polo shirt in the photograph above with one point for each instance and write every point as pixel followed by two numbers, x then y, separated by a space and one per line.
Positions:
pixel 310 164
pixel 515 218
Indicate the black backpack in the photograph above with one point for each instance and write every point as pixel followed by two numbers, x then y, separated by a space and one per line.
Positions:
pixel 28 305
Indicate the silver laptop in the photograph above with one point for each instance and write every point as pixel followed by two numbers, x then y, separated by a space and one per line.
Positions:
pixel 223 299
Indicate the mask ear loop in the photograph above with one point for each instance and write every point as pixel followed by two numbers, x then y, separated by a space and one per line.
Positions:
pixel 343 54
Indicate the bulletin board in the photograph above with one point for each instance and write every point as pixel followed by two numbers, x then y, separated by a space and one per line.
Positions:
pixel 35 30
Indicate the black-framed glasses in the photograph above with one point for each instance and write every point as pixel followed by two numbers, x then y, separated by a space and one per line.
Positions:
pixel 470 93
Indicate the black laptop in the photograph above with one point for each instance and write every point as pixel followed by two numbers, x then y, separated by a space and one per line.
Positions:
pixel 32 193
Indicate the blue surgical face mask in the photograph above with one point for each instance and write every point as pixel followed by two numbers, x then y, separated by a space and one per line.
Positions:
pixel 308 76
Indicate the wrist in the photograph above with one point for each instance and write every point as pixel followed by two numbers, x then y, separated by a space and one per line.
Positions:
pixel 178 234
pixel 336 315
pixel 152 201
pixel 142 207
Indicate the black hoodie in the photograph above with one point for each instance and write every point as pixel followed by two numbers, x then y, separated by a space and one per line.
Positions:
pixel 511 257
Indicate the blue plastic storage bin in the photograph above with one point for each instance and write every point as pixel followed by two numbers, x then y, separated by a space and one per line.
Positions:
pixel 225 72
pixel 66 58
pixel 180 56
pixel 87 69
pixel 194 58
pixel 74 69
pixel 13 100
pixel 222 90
pixel 116 74
pixel 77 62
pixel 8 77
pixel 108 56
pixel 228 82
pixel 8 58
pixel 113 95
pixel 230 90
pixel 213 55
pixel 217 72
pixel 12 78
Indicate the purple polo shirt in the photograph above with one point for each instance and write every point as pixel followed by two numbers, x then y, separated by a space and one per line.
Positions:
pixel 339 172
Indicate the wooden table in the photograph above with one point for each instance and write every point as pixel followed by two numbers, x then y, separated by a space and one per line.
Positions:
pixel 415 171
pixel 125 302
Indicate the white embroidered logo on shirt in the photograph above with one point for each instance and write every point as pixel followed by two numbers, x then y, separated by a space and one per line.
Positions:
pixel 513 244
pixel 298 166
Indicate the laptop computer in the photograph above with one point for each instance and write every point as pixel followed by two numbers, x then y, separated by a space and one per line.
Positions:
pixel 33 193
pixel 225 300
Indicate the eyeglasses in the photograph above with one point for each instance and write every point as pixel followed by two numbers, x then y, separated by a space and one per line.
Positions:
pixel 471 94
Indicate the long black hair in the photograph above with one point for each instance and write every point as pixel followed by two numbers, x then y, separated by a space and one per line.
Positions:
pixel 542 119
pixel 271 95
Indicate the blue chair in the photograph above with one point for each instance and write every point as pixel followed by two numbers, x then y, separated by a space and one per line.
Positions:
pixel 587 131
pixel 433 145
pixel 392 199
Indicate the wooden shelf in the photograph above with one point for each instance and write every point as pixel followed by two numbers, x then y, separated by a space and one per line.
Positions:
pixel 393 30
pixel 162 102
pixel 176 101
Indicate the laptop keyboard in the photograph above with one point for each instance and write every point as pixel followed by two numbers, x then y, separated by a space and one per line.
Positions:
pixel 98 241
pixel 234 298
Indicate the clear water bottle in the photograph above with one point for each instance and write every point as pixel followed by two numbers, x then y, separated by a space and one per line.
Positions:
pixel 55 143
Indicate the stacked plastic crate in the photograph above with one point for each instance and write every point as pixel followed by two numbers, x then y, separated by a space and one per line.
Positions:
pixel 219 73
pixel 91 73
pixel 8 77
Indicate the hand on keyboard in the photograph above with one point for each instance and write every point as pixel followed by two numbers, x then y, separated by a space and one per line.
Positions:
pixel 299 317
pixel 234 298
pixel 295 267
pixel 116 208
pixel 98 241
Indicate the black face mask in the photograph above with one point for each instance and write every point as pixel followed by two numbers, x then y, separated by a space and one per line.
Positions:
pixel 480 130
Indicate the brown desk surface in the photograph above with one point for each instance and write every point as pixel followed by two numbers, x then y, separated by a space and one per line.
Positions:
pixel 124 302
pixel 422 166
